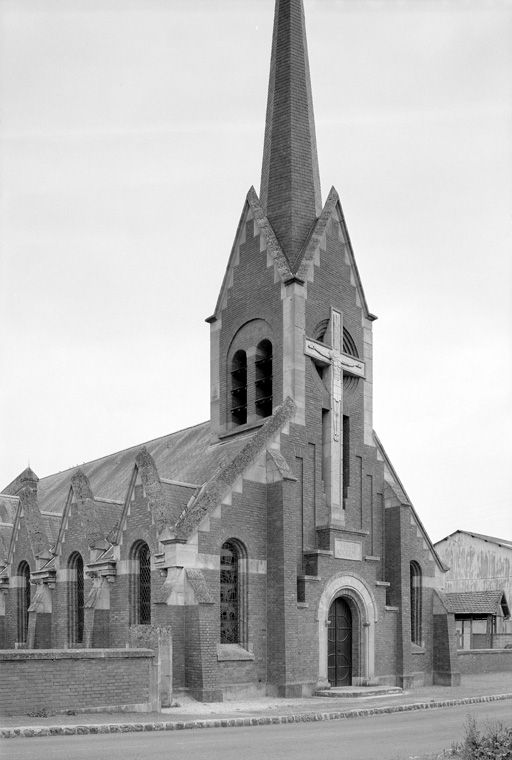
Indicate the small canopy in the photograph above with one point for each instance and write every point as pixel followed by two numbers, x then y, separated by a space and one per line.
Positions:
pixel 478 603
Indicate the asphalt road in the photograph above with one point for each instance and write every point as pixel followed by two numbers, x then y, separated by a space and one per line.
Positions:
pixel 386 737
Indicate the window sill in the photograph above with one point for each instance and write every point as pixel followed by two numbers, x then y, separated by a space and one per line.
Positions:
pixel 233 653
pixel 415 649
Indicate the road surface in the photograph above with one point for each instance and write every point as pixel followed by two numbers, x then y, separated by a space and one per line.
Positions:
pixel 386 737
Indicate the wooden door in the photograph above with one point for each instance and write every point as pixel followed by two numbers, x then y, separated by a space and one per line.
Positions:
pixel 339 653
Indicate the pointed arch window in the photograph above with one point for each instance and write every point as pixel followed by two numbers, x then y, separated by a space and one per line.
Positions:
pixel 76 599
pixel 140 606
pixel 264 379
pixel 23 601
pixel 239 388
pixel 233 593
pixel 416 603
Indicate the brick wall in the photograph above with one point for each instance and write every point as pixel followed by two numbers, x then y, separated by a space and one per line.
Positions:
pixel 485 661
pixel 59 680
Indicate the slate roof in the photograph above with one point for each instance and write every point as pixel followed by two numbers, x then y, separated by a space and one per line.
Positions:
pixel 477 603
pixel 185 456
pixel 5 540
pixel 51 526
pixel 8 508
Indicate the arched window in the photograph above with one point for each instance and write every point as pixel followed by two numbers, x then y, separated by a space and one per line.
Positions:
pixel 23 600
pixel 140 606
pixel 239 388
pixel 264 379
pixel 76 599
pixel 233 602
pixel 416 604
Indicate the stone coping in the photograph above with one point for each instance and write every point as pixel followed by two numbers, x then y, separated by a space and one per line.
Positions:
pixel 73 654
pixel 465 652
pixel 238 722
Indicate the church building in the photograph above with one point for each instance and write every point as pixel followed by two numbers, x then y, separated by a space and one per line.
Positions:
pixel 276 540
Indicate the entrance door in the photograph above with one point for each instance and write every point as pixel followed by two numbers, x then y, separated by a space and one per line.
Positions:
pixel 339 652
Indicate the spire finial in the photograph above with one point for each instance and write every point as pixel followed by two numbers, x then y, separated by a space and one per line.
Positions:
pixel 290 180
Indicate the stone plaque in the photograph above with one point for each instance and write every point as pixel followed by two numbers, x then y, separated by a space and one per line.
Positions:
pixel 348 549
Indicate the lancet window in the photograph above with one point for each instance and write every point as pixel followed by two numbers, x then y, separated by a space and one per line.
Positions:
pixel 263 380
pixel 239 388
pixel 416 603
pixel 233 602
pixel 76 599
pixel 140 606
pixel 23 601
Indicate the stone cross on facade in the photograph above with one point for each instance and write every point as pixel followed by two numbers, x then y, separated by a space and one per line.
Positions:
pixel 336 363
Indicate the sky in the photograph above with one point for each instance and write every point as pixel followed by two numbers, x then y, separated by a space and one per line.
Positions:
pixel 130 133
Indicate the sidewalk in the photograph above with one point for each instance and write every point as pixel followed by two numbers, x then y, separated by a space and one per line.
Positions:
pixel 192 714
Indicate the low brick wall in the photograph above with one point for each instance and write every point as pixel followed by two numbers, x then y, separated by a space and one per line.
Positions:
pixel 484 661
pixel 52 681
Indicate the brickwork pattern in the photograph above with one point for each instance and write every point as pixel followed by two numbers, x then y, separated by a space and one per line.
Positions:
pixel 65 680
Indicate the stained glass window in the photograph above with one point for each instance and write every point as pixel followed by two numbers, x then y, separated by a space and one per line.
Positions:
pixel 144 586
pixel 229 594
pixel 76 600
pixel 141 585
pixel 23 601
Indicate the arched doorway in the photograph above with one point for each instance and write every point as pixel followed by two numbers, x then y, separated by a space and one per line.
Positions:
pixel 354 592
pixel 339 643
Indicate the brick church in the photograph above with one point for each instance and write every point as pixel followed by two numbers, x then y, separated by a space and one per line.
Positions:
pixel 275 540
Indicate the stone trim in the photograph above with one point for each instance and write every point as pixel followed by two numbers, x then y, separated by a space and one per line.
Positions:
pixel 7 655
pixel 214 490
pixel 361 595
pixel 239 722
pixel 233 653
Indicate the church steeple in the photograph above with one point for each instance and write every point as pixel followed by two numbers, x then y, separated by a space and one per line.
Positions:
pixel 290 182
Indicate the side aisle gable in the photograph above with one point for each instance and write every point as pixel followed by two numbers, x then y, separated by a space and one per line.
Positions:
pixel 268 242
pixel 24 489
pixel 94 533
pixel 395 491
pixel 161 496
pixel 312 252
pixel 216 488
pixel 29 508
pixel 80 494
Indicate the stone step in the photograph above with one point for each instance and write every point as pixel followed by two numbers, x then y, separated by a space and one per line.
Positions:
pixel 355 692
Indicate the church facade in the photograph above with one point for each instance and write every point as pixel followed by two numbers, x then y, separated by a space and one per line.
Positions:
pixel 276 540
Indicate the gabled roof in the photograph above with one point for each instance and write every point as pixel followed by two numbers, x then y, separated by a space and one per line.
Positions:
pixel 395 484
pixel 252 210
pixel 503 542
pixel 332 208
pixel 187 456
pixel 477 603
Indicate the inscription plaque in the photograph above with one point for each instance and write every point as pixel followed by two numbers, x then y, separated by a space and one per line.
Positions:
pixel 348 549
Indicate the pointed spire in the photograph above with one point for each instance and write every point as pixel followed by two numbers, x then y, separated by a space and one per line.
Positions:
pixel 290 180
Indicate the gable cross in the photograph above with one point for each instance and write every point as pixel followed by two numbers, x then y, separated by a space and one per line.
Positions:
pixel 336 363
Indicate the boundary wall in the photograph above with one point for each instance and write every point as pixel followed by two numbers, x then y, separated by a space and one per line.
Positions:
pixel 45 681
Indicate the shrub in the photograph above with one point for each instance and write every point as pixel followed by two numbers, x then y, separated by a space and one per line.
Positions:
pixel 494 743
